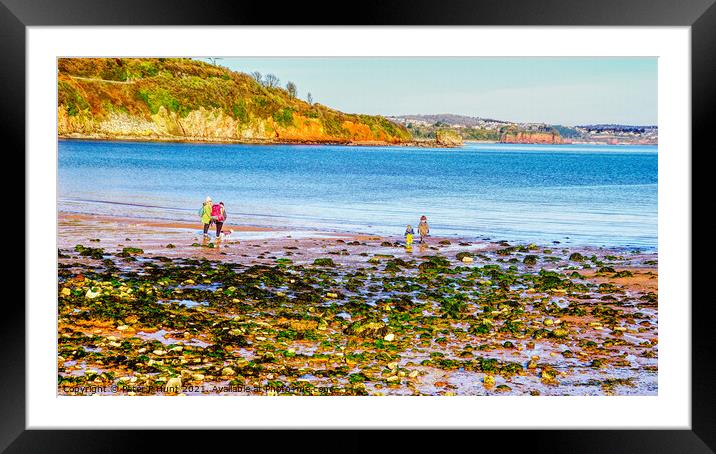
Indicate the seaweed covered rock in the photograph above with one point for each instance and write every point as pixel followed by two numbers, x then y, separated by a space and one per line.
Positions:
pixel 434 263
pixel 549 376
pixel 367 328
pixel 391 267
pixel 403 303
pixel 549 280
pixel 129 251
pixel 324 262
pixel 95 253
pixel 488 381
pixel 484 327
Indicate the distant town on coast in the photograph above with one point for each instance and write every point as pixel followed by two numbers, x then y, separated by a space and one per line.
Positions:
pixel 488 129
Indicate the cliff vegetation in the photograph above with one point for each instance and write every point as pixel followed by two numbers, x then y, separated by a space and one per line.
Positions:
pixel 184 99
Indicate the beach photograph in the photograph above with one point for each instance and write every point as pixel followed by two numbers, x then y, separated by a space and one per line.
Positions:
pixel 357 226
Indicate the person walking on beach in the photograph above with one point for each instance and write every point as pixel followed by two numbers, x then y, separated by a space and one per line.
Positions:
pixel 218 215
pixel 205 214
pixel 409 235
pixel 423 228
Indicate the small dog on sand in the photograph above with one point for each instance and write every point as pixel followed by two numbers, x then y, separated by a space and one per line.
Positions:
pixel 226 233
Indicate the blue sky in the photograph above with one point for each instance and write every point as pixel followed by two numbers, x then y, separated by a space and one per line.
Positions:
pixel 564 90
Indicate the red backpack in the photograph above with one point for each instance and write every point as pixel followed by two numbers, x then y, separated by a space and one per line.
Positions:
pixel 216 213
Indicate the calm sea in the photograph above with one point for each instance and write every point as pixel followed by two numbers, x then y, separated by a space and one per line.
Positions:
pixel 576 194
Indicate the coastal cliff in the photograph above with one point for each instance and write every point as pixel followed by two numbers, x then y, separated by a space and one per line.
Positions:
pixel 448 138
pixel 527 137
pixel 174 99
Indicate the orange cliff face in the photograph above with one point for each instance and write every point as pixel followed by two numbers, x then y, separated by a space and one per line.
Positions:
pixel 532 137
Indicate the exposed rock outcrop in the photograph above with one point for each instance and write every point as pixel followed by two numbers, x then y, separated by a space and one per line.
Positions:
pixel 448 138
pixel 531 137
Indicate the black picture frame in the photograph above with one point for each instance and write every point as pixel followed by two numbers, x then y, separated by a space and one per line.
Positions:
pixel 700 15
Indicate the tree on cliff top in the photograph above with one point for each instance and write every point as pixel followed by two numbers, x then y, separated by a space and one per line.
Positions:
pixel 271 81
pixel 291 88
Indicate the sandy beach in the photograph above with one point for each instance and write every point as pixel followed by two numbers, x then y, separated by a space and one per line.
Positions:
pixel 149 307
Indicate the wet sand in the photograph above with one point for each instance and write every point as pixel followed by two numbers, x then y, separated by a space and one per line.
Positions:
pixel 89 222
pixel 144 303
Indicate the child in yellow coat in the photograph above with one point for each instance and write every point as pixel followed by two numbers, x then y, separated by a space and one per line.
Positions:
pixel 409 235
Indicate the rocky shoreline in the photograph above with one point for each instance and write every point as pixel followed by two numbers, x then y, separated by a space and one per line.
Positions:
pixel 219 140
pixel 147 309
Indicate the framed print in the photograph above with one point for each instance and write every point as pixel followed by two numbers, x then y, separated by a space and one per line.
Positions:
pixel 436 217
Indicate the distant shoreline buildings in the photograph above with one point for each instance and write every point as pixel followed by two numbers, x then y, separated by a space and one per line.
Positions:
pixel 488 129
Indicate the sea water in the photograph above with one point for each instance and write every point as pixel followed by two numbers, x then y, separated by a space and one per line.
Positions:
pixel 596 195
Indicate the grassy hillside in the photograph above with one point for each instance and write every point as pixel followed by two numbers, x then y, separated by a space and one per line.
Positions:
pixel 183 99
